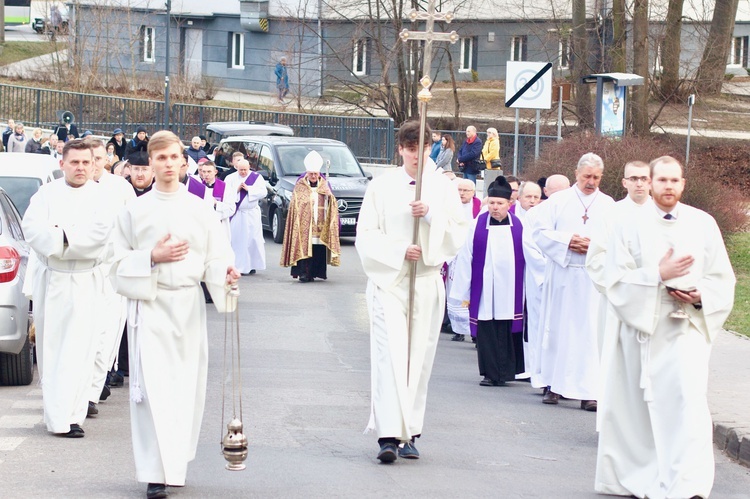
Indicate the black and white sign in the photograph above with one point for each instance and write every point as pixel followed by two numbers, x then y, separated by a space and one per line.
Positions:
pixel 528 85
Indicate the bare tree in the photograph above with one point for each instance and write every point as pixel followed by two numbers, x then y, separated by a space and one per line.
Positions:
pixel 670 50
pixel 619 41
pixel 640 66
pixel 713 64
pixel 581 52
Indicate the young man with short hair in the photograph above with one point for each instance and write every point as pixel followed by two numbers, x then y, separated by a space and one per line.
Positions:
pixel 166 241
pixel 401 371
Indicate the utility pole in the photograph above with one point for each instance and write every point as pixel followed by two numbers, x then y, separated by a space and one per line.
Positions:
pixel 2 22
pixel 166 68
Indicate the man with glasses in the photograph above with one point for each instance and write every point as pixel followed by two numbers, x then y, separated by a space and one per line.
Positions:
pixel 655 432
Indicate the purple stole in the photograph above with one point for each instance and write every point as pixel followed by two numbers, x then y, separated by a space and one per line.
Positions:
pixel 218 190
pixel 481 233
pixel 477 206
pixel 196 187
pixel 250 180
pixel 512 208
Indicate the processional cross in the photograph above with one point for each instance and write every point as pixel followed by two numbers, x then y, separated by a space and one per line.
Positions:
pixel 428 35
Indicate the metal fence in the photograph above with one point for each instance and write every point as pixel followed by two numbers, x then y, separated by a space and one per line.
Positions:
pixel 370 139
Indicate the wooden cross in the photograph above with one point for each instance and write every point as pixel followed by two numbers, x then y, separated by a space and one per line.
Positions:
pixel 424 96
pixel 585 217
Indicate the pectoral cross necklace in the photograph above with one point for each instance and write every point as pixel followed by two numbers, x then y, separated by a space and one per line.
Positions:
pixel 585 216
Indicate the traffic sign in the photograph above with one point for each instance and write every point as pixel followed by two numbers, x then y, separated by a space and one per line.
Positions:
pixel 528 85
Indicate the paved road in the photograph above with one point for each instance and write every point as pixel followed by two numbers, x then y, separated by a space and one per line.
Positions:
pixel 306 387
pixel 23 34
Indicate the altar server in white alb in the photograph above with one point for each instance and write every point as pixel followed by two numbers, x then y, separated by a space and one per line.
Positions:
pixel 536 263
pixel 166 242
pixel 218 196
pixel 569 357
pixel 68 227
pixel 384 244
pixel 671 285
pixel 489 281
pixel 247 230
pixel 118 194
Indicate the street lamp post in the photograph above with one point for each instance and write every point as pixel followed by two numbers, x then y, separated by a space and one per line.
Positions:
pixel 166 68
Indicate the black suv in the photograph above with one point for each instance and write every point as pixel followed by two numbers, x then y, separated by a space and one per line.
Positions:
pixel 280 160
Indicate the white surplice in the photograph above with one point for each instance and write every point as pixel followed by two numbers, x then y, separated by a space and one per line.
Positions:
pixel 536 263
pixel 118 193
pixel 458 314
pixel 655 435
pixel 384 231
pixel 167 325
pixel 569 354
pixel 224 207
pixel 247 230
pixel 498 276
pixel 67 289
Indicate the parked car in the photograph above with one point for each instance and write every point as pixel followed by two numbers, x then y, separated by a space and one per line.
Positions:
pixel 280 160
pixel 217 131
pixel 16 352
pixel 22 174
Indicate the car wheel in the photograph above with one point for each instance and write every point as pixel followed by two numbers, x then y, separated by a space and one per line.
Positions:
pixel 17 370
pixel 277 226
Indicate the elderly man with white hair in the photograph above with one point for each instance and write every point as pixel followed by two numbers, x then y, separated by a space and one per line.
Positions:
pixel 570 303
pixel 458 314
pixel 245 225
pixel 529 195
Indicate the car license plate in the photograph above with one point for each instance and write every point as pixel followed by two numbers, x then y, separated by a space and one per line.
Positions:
pixel 348 221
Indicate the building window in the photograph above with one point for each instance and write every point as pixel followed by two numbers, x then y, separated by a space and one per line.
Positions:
pixel 238 50
pixel 518 48
pixel 359 62
pixel 467 52
pixel 148 44
pixel 563 52
pixel 738 52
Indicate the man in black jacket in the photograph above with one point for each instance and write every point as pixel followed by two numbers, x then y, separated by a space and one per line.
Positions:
pixel 470 154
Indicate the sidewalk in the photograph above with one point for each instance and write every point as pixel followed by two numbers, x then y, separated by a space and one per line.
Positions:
pixel 729 395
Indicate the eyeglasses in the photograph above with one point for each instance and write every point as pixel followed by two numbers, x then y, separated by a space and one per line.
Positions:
pixel 139 169
pixel 635 180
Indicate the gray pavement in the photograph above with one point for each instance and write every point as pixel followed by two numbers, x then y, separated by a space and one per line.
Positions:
pixel 305 364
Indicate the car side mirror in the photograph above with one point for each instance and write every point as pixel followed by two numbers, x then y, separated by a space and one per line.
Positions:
pixel 368 175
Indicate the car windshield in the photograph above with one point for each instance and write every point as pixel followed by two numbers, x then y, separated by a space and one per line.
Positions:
pixel 338 160
pixel 20 190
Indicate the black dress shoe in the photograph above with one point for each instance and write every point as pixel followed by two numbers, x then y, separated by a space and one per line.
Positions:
pixel 106 392
pixel 588 405
pixel 304 279
pixel 75 432
pixel 115 380
pixel 252 272
pixel 458 337
pixel 551 398
pixel 93 410
pixel 388 452
pixel 156 491
pixel 408 451
pixel 488 382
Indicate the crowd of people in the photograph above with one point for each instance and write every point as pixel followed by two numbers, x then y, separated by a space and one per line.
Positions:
pixel 613 304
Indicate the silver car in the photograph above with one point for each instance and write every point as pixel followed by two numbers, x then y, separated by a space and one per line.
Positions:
pixel 16 352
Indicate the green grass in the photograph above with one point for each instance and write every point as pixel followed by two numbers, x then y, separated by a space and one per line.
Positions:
pixel 738 246
pixel 18 51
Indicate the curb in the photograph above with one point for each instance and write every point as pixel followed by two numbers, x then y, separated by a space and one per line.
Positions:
pixel 733 440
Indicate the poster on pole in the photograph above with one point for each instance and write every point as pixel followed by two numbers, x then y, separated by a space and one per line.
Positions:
pixel 613 110
pixel 528 85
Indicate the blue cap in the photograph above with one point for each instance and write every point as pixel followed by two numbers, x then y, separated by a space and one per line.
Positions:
pixel 87 133
pixel 117 130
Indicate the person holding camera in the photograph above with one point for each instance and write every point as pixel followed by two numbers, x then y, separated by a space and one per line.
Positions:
pixel 470 155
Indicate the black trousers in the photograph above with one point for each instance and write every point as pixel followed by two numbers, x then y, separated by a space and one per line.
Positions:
pixel 496 352
pixel 314 267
